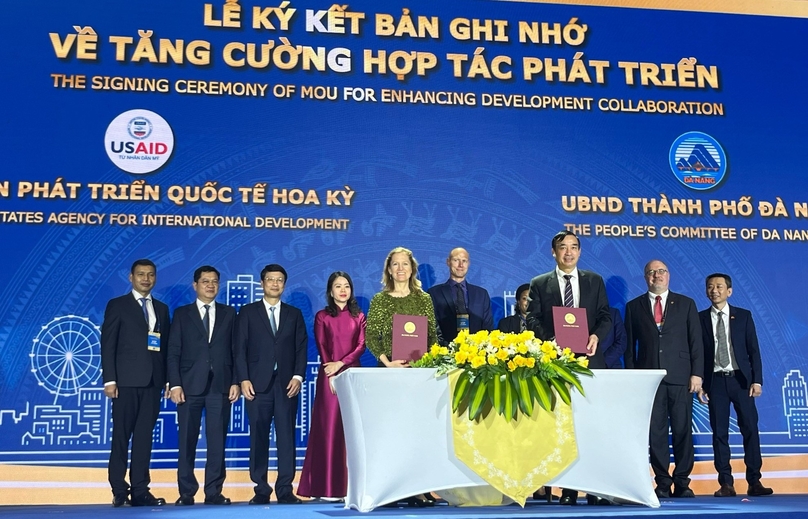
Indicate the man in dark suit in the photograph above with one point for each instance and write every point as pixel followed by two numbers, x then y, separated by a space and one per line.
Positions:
pixel 733 374
pixel 458 297
pixel 134 343
pixel 614 345
pixel 270 344
pixel 201 376
pixel 567 285
pixel 663 332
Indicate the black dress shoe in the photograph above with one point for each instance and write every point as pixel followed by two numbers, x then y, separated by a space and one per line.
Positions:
pixel 120 500
pixel 291 499
pixel 682 492
pixel 148 499
pixel 259 499
pixel 218 499
pixel 568 500
pixel 757 489
pixel 184 501
pixel 662 492
pixel 725 491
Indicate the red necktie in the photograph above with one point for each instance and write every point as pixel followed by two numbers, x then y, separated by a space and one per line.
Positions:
pixel 658 310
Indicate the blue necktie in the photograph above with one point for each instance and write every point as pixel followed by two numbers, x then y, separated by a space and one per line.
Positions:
pixel 206 321
pixel 145 309
pixel 272 322
pixel 569 301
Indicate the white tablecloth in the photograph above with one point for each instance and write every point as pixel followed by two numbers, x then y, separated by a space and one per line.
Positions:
pixel 399 437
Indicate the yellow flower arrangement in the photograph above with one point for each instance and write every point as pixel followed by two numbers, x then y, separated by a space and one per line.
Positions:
pixel 507 372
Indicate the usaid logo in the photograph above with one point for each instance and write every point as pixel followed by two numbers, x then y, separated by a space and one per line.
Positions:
pixel 697 160
pixel 139 141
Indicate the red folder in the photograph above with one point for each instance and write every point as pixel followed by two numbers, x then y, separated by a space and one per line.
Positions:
pixel 410 334
pixel 571 328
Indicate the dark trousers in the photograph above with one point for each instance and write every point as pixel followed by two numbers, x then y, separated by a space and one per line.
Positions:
pixel 272 404
pixel 217 418
pixel 674 403
pixel 723 391
pixel 134 414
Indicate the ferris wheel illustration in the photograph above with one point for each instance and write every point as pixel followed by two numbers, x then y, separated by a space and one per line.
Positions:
pixel 66 355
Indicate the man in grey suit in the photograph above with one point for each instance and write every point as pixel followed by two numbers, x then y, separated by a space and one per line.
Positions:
pixel 201 376
pixel 663 332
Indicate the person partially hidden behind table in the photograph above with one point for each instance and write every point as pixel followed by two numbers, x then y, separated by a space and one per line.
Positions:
pixel 401 294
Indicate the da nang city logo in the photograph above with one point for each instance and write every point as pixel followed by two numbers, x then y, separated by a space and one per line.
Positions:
pixel 697 160
pixel 139 141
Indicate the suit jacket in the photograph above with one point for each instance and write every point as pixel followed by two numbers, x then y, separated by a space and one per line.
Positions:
pixel 125 357
pixel 479 308
pixel 545 294
pixel 676 348
pixel 743 337
pixel 191 357
pixel 510 324
pixel 614 345
pixel 257 350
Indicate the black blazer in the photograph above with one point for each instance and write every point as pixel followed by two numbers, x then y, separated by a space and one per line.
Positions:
pixel 743 337
pixel 545 294
pixel 677 348
pixel 191 357
pixel 125 358
pixel 479 308
pixel 257 350
pixel 510 324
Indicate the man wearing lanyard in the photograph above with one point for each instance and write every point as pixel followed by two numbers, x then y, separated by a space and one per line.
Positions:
pixel 459 304
pixel 201 376
pixel 134 344
pixel 663 332
pixel 733 374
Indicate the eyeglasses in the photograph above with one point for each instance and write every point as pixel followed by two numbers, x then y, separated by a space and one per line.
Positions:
pixel 651 272
pixel 274 280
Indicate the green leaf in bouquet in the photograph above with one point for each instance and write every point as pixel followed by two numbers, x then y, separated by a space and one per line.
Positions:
pixel 461 391
pixel 525 398
pixel 543 393
pixel 477 396
pixel 496 393
pixel 562 389
pixel 568 376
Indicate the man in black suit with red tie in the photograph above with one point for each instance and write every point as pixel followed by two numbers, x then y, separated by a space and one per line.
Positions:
pixel 567 285
pixel 134 343
pixel 270 344
pixel 201 376
pixel 663 332
pixel 733 374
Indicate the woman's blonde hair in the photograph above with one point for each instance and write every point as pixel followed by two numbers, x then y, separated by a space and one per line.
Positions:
pixel 387 280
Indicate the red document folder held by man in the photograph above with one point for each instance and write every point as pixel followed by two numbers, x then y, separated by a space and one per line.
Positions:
pixel 409 337
pixel 571 328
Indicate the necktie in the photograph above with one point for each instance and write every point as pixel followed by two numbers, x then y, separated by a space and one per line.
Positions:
pixel 206 321
pixel 145 309
pixel 522 324
pixel 460 300
pixel 569 301
pixel 658 310
pixel 721 337
pixel 272 322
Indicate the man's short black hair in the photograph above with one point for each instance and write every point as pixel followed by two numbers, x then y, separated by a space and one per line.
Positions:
pixel 205 268
pixel 274 267
pixel 726 277
pixel 558 238
pixel 143 263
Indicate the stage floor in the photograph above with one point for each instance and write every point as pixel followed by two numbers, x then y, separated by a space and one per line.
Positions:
pixel 773 507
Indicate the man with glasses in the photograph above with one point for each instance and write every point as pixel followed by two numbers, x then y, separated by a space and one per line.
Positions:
pixel 270 343
pixel 201 376
pixel 663 332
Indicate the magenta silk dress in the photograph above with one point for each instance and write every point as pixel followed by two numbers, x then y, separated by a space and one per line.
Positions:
pixel 325 473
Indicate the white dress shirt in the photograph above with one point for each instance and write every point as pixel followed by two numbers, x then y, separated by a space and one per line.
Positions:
pixel 576 287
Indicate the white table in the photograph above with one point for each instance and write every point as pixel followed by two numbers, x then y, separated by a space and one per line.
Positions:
pixel 399 436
